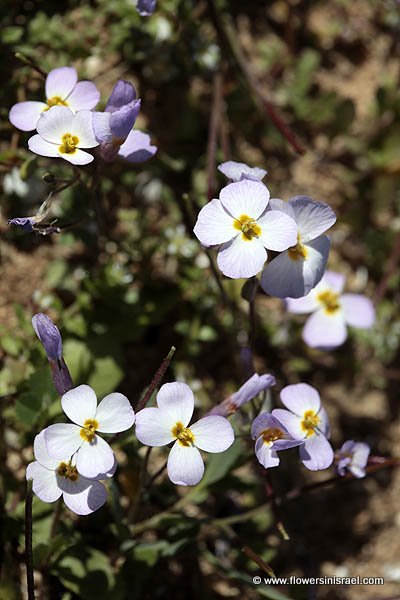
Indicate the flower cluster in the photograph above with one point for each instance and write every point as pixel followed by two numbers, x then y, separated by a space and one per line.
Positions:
pixel 245 223
pixel 67 126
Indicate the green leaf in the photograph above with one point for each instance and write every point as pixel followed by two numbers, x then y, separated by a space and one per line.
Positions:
pixel 106 376
pixel 40 393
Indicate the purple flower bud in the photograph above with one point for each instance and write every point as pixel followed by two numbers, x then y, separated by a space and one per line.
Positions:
pixel 25 223
pixel 123 93
pixel 146 8
pixel 248 391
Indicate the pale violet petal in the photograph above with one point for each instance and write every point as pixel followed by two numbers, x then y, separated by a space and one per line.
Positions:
pixel 101 126
pixel 84 96
pixel 241 257
pixel 300 397
pixel 246 197
pixel 278 204
pixel 214 225
pixel 176 402
pixel 137 147
pixel 262 422
pixel 333 281
pixel 213 434
pixel 41 453
pixel 315 263
pixel 79 404
pixel 316 453
pixel 114 414
pixel 358 310
pixel 25 115
pixel 62 440
pixel 251 388
pixel 234 170
pixel 325 329
pixel 290 421
pixel 84 496
pixel 94 457
pixel 278 230
pixel 323 424
pixel 305 305
pixel 60 82
pixel 313 218
pixel 39 146
pixel 185 465
pixel 44 482
pixel 266 456
pixel 153 428
pixel 54 123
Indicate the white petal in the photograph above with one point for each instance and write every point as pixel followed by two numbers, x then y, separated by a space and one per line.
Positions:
pixel 83 129
pixel 245 197
pixel 78 157
pixel 101 126
pixel 54 123
pixel 41 453
pixel 278 204
pixel 84 496
pixel 213 434
pixel 325 330
pixel 267 457
pixel 300 397
pixel 278 230
pixel 214 225
pixel 242 257
pixel 185 465
pixel 114 414
pixel 60 82
pixel 84 96
pixel 152 428
pixel 44 482
pixel 301 306
pixel 62 440
pixel 313 218
pixel 358 310
pixel 234 170
pixel 315 263
pixel 79 404
pixel 94 458
pixel 25 115
pixel 332 281
pixel 176 402
pixel 316 453
pixel 38 145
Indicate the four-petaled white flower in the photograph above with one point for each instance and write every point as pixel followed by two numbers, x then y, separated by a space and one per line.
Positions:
pixel 54 477
pixel 240 221
pixel 93 454
pixel 63 134
pixel 169 423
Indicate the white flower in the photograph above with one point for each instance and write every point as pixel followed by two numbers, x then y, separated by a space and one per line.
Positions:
pixel 94 455
pixel 53 478
pixel 63 134
pixel 235 171
pixel 169 422
pixel 240 221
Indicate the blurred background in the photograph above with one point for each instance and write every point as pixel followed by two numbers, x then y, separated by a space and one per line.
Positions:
pixel 126 279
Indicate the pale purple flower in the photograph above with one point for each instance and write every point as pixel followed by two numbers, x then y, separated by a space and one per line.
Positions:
pixel 35 223
pixel 146 8
pixel 62 89
pixel 240 221
pixel 169 422
pixel 25 223
pixel 271 437
pixel 235 171
pixel 306 420
pixel 63 134
pixel 249 390
pixel 295 272
pixel 93 454
pixel 50 337
pixel 54 477
pixel 353 457
pixel 113 127
pixel 332 312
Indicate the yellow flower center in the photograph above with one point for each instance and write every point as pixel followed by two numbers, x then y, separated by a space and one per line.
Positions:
pixel 55 101
pixel 88 430
pixel 69 143
pixel 299 251
pixel 247 226
pixel 183 434
pixel 310 422
pixel 329 300
pixel 271 434
pixel 67 470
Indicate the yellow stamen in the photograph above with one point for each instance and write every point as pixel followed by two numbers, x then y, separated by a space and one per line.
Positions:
pixel 310 422
pixel 247 226
pixel 299 251
pixel 271 435
pixel 88 430
pixel 329 300
pixel 67 470
pixel 183 434
pixel 55 101
pixel 69 143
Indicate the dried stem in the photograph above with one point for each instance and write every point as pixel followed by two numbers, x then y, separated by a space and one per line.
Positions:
pixel 156 380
